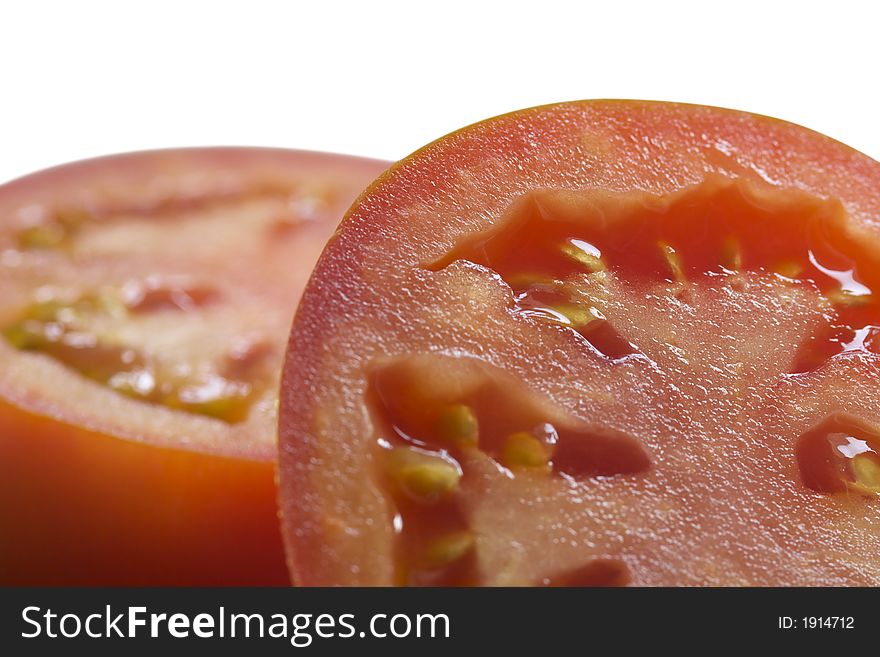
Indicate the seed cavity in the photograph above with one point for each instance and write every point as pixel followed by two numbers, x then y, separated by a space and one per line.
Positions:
pixel 840 455
pixel 598 451
pixel 555 249
pixel 557 306
pixel 595 573
pixel 63 330
pixel 154 295
pixel 472 405
pixel 434 415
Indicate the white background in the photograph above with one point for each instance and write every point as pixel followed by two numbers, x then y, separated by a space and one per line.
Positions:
pixel 376 78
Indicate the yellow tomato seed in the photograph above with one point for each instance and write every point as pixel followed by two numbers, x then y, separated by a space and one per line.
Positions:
pixel 458 425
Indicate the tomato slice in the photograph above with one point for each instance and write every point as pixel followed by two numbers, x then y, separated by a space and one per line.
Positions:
pixel 145 304
pixel 597 343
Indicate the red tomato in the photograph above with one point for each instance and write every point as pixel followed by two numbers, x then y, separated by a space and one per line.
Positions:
pixel 594 343
pixel 145 303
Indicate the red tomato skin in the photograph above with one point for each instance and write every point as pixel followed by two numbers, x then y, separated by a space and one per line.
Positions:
pixel 83 508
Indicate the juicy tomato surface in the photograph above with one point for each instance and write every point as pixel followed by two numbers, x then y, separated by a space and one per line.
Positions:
pixel 596 343
pixel 145 305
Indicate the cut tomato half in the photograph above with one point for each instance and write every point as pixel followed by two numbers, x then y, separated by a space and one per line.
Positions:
pixel 596 343
pixel 144 307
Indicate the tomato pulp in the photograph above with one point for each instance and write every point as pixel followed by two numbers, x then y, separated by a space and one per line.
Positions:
pixel 596 343
pixel 145 303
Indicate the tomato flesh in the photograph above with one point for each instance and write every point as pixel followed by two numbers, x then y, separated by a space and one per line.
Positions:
pixel 606 347
pixel 556 253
